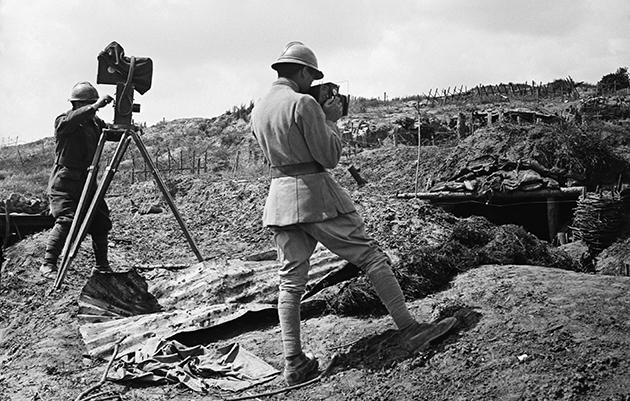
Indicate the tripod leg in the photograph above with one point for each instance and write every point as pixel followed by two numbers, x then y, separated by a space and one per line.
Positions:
pixel 96 200
pixel 83 200
pixel 167 195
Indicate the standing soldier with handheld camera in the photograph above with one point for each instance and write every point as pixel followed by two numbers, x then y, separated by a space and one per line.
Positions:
pixel 305 205
pixel 76 136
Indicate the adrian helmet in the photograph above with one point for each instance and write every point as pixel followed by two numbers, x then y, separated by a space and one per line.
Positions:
pixel 298 53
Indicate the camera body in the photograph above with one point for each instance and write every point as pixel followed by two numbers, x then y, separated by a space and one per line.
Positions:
pixel 128 74
pixel 323 92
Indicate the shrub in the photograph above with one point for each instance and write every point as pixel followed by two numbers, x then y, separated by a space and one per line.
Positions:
pixel 615 81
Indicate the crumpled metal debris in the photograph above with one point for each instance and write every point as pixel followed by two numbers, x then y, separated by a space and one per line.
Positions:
pixel 228 368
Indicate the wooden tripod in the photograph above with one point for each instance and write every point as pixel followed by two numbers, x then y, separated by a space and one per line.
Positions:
pixel 85 212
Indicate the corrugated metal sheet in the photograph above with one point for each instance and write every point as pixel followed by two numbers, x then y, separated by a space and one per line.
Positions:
pixel 203 296
pixel 109 296
pixel 231 281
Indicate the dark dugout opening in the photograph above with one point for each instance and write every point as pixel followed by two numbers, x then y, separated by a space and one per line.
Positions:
pixel 544 213
pixel 537 216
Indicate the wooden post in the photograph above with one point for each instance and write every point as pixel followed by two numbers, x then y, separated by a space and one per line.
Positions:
pixel 236 160
pixel 19 154
pixel 199 166
pixel 192 167
pixel 461 125
pixel 181 160
pixel 552 217
pixel 418 152
pixel 168 153
pixel 133 169
pixel 205 161
pixel 7 223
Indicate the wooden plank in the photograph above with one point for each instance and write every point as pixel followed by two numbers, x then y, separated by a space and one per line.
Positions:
pixel 24 223
pixel 567 192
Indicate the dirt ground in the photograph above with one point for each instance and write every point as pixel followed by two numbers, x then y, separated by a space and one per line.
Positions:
pixel 527 333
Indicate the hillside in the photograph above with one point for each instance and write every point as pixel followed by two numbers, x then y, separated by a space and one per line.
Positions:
pixel 533 324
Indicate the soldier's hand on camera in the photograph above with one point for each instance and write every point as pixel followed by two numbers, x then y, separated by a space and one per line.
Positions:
pixel 333 109
pixel 103 101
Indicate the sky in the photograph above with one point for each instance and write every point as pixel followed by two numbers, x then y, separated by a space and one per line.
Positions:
pixel 211 55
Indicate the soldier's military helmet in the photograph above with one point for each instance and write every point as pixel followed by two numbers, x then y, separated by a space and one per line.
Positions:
pixel 83 92
pixel 298 53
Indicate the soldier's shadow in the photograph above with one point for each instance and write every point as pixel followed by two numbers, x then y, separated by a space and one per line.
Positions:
pixel 384 351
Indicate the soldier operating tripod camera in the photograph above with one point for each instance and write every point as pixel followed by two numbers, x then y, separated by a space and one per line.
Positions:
pixel 77 132
pixel 88 209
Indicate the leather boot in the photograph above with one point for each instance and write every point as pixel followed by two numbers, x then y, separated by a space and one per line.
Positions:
pixel 54 246
pixel 419 336
pixel 100 246
pixel 300 368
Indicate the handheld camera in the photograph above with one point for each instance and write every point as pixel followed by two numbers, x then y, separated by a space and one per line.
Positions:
pixel 323 92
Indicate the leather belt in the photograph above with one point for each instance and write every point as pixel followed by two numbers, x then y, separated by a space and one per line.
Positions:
pixel 293 170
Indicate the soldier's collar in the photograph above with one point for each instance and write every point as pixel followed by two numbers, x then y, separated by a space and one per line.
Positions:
pixel 287 82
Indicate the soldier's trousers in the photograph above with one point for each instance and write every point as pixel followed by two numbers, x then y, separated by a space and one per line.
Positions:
pixel 65 189
pixel 345 236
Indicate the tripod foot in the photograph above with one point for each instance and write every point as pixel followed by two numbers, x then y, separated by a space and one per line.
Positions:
pixel 48 271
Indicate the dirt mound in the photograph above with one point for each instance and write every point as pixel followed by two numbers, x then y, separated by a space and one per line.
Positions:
pixel 605 107
pixel 224 218
pixel 531 333
pixel 615 260
pixel 393 169
pixel 565 153
pixel 18 203
pixel 423 270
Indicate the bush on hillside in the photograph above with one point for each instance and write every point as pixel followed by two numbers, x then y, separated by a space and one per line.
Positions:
pixel 615 81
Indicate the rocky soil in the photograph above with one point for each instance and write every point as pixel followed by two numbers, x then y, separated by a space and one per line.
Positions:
pixel 526 332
